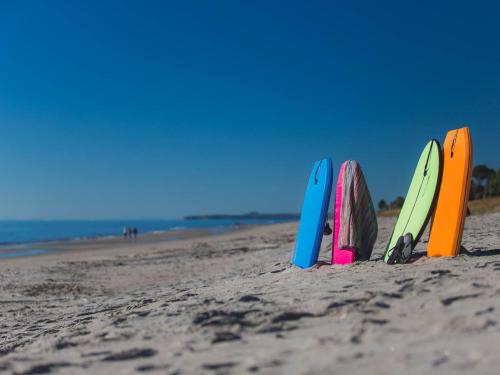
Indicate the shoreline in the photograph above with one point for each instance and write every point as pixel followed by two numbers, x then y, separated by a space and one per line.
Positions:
pixel 55 247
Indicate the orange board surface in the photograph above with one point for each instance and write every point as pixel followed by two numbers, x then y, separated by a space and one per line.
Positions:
pixel 449 216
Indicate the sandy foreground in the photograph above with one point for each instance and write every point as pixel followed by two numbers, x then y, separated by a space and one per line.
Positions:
pixel 231 303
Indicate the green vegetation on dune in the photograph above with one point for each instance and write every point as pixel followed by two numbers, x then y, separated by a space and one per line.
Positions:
pixel 483 206
pixel 394 206
pixel 485 182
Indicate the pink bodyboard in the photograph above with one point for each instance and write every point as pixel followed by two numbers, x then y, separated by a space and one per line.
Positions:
pixel 346 255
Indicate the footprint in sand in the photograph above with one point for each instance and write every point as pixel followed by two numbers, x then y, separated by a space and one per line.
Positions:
pixel 131 354
pixel 225 336
pixel 219 366
pixel 451 300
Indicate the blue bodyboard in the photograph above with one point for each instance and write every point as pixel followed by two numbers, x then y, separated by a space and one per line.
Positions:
pixel 313 215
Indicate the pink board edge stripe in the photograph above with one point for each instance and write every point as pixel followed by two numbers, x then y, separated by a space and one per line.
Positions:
pixel 347 255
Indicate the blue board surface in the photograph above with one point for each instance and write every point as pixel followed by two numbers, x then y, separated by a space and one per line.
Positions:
pixel 313 215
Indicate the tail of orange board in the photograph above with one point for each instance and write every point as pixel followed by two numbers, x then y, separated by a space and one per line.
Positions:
pixel 449 216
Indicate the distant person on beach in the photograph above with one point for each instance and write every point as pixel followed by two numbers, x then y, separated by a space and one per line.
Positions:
pixel 125 232
pixel 134 232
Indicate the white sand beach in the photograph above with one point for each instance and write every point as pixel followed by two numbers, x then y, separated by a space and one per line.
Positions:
pixel 231 303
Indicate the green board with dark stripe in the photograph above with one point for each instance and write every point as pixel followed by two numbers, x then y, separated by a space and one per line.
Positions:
pixel 421 196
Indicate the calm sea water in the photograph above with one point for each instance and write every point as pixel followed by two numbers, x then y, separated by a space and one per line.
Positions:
pixel 18 232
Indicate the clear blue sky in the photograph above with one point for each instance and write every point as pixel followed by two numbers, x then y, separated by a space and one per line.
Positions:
pixel 116 109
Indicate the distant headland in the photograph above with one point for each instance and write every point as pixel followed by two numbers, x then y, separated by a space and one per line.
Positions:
pixel 254 215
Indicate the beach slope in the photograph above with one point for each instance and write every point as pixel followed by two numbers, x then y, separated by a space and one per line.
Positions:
pixel 231 303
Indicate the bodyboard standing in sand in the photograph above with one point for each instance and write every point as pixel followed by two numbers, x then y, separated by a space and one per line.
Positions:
pixel 419 204
pixel 313 215
pixel 355 220
pixel 449 217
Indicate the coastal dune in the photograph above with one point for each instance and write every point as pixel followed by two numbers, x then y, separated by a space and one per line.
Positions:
pixel 231 303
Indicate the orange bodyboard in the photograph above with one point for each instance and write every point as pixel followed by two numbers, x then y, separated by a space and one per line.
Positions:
pixel 449 216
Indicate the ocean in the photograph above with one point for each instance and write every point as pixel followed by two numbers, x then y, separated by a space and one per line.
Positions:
pixel 29 231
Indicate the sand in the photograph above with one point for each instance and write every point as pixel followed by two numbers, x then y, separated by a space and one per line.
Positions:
pixel 231 303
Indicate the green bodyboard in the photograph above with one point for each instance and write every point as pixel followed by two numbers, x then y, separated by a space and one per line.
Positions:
pixel 421 197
